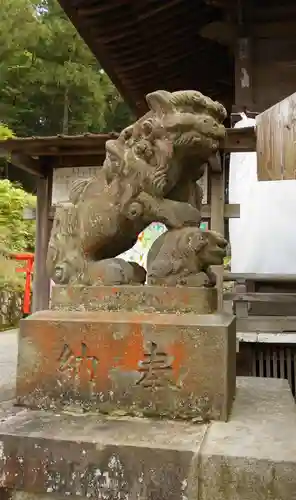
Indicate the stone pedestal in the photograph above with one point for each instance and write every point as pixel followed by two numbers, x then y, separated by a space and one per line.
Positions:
pixel 156 363
pixel 148 299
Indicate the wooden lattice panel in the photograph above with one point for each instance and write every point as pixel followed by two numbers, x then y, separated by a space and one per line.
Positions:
pixel 275 361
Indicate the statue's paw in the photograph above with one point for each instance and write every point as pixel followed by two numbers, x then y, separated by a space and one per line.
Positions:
pixel 116 271
pixel 196 280
pixel 184 214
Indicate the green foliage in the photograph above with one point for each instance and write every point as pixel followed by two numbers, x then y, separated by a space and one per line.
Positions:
pixel 16 234
pixel 10 279
pixel 50 84
pixel 227 263
pixel 50 81
pixel 5 132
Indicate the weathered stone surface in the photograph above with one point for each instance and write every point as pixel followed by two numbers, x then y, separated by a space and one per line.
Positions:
pixel 181 366
pixel 149 174
pixel 253 456
pixel 184 256
pixel 99 458
pixel 20 495
pixel 134 298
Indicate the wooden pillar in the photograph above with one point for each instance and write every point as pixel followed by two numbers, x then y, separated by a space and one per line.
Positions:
pixel 41 283
pixel 217 200
pixel 244 99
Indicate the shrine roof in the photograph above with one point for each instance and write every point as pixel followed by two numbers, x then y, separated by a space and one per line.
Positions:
pixel 33 154
pixel 44 145
pixel 148 45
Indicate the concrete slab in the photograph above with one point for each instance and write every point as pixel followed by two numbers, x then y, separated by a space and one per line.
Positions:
pixel 8 362
pixel 151 364
pixel 99 458
pixel 253 456
pixel 19 495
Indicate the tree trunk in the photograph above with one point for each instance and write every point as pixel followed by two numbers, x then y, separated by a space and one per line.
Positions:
pixel 65 129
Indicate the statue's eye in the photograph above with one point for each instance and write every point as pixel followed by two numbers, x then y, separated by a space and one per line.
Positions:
pixel 139 149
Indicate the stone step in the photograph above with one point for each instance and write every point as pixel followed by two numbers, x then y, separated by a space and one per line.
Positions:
pixel 140 298
pixel 179 366
pixel 97 457
pixel 50 456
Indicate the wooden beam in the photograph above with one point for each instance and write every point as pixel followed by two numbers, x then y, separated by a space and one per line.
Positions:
pixel 81 161
pixel 27 163
pixel 281 11
pixel 41 283
pixel 175 56
pixel 276 29
pixel 99 9
pixel 79 150
pixel 155 11
pixel 284 298
pixel 240 140
pixel 217 201
pixel 231 211
pixel 266 278
pixel 266 324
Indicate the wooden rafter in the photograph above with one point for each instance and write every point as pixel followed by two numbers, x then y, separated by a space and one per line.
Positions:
pixel 141 45
pixel 27 164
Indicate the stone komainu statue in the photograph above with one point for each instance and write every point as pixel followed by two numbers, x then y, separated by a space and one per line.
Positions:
pixel 149 174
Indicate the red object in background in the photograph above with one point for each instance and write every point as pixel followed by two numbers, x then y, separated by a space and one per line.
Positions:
pixel 28 269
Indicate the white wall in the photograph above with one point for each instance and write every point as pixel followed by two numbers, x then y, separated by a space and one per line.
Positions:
pixel 263 239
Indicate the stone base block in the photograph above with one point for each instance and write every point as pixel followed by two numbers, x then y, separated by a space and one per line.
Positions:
pixel 47 456
pixel 135 298
pixel 252 457
pixel 98 458
pixel 179 366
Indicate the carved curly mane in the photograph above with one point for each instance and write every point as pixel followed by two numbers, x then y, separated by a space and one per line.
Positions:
pixel 186 122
